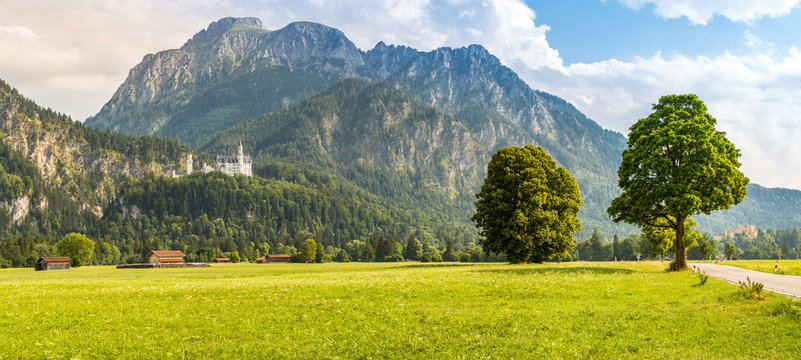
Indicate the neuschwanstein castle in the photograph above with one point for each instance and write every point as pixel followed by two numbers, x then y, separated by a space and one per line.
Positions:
pixel 231 165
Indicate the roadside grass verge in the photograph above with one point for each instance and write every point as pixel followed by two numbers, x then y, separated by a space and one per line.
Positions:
pixel 786 267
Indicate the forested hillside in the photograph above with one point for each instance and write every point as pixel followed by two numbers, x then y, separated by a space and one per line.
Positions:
pixel 58 175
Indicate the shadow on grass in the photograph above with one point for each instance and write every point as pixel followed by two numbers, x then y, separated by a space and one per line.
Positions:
pixel 599 270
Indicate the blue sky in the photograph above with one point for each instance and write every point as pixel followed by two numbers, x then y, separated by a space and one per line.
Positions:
pixel 590 31
pixel 612 59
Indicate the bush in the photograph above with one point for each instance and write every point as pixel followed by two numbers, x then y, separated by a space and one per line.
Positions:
pixel 394 258
pixel 702 277
pixel 431 255
pixel 752 289
pixel 342 256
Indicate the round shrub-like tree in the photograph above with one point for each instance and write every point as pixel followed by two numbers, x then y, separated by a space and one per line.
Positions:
pixel 528 206
pixel 308 250
pixel 78 247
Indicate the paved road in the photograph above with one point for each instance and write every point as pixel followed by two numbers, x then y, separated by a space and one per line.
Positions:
pixel 783 284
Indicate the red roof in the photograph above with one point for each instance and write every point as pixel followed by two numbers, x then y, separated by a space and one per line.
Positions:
pixel 56 259
pixel 222 259
pixel 278 256
pixel 170 253
pixel 261 258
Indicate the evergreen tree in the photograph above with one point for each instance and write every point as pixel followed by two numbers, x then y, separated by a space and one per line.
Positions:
pixel 368 252
pixel 414 249
pixel 449 254
pixel 595 246
pixel 320 255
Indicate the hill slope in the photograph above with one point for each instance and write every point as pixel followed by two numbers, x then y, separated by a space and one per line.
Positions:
pixel 67 168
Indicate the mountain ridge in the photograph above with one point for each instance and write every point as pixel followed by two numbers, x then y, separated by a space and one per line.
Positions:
pixel 244 71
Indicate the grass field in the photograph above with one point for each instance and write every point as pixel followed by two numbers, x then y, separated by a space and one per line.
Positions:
pixel 786 267
pixel 378 311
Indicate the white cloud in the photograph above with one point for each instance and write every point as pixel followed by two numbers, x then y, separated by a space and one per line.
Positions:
pixel 700 12
pixel 754 98
pixel 19 31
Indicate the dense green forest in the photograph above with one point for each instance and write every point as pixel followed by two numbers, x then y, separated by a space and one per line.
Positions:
pixel 207 214
pixel 768 244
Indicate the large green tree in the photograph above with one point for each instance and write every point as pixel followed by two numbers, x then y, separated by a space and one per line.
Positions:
pixel 676 166
pixel 528 206
pixel 78 247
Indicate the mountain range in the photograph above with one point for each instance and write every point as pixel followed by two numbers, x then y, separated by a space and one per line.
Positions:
pixel 395 132
pixel 236 69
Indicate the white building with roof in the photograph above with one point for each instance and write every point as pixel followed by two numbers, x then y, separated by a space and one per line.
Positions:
pixel 238 164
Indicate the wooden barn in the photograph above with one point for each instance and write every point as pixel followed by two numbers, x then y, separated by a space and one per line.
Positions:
pixel 222 260
pixel 278 258
pixel 54 263
pixel 165 257
pixel 261 260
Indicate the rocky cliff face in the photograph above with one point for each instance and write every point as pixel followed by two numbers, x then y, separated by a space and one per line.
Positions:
pixel 18 208
pixel 233 70
pixel 62 152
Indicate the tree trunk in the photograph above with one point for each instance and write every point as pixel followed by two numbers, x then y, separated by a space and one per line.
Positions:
pixel 680 263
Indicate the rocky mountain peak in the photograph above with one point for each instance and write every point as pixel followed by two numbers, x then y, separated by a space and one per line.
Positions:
pixel 220 27
pixel 307 40
pixel 387 59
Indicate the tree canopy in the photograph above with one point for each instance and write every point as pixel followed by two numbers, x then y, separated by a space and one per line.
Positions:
pixel 677 165
pixel 78 247
pixel 308 251
pixel 527 207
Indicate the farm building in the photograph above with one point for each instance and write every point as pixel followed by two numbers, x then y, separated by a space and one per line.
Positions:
pixel 278 258
pixel 165 257
pixel 261 260
pixel 222 260
pixel 54 263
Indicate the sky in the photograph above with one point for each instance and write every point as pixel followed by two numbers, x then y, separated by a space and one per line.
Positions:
pixel 612 59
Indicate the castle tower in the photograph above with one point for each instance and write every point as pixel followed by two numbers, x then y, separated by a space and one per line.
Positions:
pixel 240 159
pixel 189 164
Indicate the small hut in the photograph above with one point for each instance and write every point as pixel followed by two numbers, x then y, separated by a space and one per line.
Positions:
pixel 278 258
pixel 54 263
pixel 261 260
pixel 223 260
pixel 165 257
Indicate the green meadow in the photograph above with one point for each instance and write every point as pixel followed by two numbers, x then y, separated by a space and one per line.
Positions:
pixel 389 311
pixel 786 267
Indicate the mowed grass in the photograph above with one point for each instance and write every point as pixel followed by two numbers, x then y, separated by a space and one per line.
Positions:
pixel 389 311
pixel 786 267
